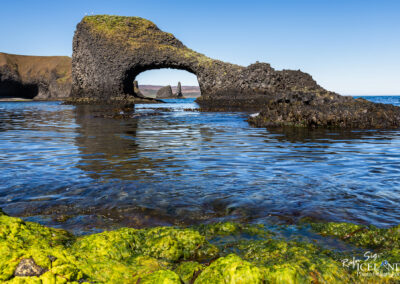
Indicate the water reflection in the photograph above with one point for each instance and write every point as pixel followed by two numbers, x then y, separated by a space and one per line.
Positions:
pixel 89 167
pixel 105 143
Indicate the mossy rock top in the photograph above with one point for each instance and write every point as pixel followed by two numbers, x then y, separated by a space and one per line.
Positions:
pixel 134 30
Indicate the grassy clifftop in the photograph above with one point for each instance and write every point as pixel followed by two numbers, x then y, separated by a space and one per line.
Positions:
pixel 38 67
pixel 135 30
pixel 138 33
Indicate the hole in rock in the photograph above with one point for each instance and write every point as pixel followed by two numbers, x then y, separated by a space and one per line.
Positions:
pixel 150 82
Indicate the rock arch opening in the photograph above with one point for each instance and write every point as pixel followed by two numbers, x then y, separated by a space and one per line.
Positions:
pixel 165 83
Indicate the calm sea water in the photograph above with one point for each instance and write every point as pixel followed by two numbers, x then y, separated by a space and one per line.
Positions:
pixel 78 168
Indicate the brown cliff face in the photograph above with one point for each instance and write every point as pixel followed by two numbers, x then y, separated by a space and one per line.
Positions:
pixel 35 77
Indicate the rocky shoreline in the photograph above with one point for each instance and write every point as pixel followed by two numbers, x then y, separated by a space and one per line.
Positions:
pixel 213 253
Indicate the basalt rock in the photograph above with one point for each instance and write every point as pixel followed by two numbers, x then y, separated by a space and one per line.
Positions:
pixel 326 110
pixel 35 77
pixel 110 51
pixel 165 93
pixel 136 89
pixel 178 93
pixel 28 267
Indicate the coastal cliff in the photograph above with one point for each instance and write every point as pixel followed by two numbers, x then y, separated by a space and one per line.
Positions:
pixel 35 77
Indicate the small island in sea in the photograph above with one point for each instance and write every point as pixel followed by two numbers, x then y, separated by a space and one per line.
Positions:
pixel 256 175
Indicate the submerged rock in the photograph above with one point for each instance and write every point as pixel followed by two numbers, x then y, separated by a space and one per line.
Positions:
pixel 165 93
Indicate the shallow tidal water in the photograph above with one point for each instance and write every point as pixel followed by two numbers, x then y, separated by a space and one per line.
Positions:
pixel 78 168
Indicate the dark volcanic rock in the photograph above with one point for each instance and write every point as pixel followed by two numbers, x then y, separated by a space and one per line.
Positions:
pixel 328 111
pixel 28 267
pixel 136 89
pixel 110 51
pixel 35 77
pixel 165 93
pixel 178 93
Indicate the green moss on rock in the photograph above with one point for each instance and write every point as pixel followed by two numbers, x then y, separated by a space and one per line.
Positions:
pixel 362 236
pixel 230 269
pixel 161 277
pixel 188 270
pixel 293 262
pixel 183 255
pixel 231 228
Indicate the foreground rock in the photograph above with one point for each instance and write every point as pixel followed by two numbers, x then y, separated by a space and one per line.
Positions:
pixel 35 77
pixel 165 93
pixel 215 253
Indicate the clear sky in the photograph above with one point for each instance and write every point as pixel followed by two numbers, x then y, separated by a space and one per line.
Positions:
pixel 351 47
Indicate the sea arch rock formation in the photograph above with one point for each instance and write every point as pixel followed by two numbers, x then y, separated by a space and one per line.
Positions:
pixel 110 51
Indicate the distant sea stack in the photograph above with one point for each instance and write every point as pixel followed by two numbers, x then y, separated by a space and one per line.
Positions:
pixel 165 93
pixel 35 77
pixel 178 93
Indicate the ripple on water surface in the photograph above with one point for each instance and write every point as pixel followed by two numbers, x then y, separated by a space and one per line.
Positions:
pixel 80 169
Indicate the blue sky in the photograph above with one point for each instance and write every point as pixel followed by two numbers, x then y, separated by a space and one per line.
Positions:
pixel 351 47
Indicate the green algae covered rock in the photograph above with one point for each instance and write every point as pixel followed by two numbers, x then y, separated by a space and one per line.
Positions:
pixel 32 253
pixel 231 228
pixel 122 256
pixel 166 243
pixel 293 262
pixel 161 277
pixel 230 269
pixel 188 270
pixel 25 240
pixel 362 236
